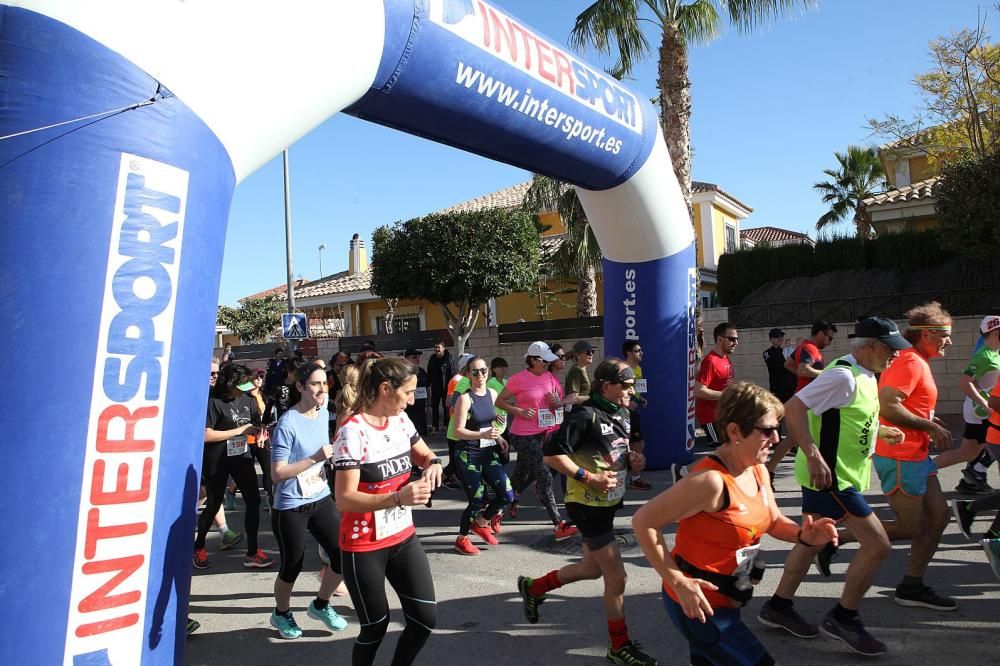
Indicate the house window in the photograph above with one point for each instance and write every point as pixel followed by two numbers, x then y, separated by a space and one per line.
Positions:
pixel 730 238
pixel 406 323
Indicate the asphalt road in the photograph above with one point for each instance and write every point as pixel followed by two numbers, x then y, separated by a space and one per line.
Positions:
pixel 479 610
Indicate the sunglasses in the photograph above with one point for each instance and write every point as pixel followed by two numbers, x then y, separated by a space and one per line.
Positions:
pixel 561 357
pixel 767 431
pixel 589 352
pixel 732 338
pixel 213 374
pixel 478 371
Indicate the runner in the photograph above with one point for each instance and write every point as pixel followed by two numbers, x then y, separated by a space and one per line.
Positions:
pixel 965 510
pixel 714 374
pixel 535 393
pixel 723 508
pixel 227 537
pixel 457 385
pixel 632 351
pixel 302 501
pixel 226 453
pixel 479 460
pixel 374 452
pixel 834 421
pixel 591 449
pixel 907 397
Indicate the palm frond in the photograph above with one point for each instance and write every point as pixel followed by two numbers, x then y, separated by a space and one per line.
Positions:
pixel 698 21
pixel 747 15
pixel 608 24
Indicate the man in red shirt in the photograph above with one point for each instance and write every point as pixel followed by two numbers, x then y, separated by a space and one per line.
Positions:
pixel 806 362
pixel 714 374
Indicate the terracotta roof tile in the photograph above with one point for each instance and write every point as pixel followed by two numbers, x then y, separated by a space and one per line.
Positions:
pixel 280 290
pixel 923 189
pixel 509 197
pixel 772 235
pixel 700 186
pixel 338 283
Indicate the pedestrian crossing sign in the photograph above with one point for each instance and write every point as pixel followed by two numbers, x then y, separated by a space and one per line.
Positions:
pixel 294 326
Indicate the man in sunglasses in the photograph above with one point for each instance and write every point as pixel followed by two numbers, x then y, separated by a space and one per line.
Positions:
pixel 714 374
pixel 834 420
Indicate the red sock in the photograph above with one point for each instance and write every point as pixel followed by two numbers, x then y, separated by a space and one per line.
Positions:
pixel 618 633
pixel 549 581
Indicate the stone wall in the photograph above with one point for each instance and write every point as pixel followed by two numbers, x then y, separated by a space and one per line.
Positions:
pixel 748 362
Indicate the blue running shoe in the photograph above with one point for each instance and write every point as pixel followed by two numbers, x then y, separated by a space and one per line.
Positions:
pixel 285 624
pixel 327 616
pixel 992 548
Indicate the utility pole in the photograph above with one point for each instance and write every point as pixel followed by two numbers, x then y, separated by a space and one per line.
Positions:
pixel 321 248
pixel 288 233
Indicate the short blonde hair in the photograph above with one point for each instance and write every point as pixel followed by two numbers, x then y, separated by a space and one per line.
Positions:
pixel 743 403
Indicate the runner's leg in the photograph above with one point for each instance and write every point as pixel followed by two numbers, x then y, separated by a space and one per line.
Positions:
pixel 242 470
pixel 410 576
pixel 364 574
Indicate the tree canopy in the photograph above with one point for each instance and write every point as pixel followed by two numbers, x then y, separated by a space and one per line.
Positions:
pixel 859 175
pixel 458 261
pixel 255 320
pixel 968 203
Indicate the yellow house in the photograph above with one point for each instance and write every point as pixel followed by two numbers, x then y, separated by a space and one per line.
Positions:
pixel 342 303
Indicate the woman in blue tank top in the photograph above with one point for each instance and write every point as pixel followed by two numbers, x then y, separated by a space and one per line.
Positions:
pixel 478 464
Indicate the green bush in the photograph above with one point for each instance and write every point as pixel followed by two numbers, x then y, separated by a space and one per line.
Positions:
pixel 968 202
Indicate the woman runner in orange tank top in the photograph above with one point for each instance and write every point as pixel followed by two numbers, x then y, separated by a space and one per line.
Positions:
pixel 723 508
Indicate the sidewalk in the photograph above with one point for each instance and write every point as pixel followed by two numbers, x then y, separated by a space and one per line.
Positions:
pixel 479 610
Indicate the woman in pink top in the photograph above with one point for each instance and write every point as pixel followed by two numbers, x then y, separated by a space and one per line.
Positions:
pixel 534 398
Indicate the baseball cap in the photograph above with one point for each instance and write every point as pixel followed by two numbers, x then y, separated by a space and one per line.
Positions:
pixel 776 333
pixel 582 346
pixel 883 330
pixel 541 350
pixel 989 324
pixel 463 360
pixel 412 352
pixel 614 374
pixel 245 386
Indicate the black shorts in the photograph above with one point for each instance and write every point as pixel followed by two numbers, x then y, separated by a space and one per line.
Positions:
pixel 635 426
pixel 976 431
pixel 596 523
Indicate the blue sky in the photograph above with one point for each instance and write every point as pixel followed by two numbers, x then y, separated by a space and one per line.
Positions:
pixel 769 111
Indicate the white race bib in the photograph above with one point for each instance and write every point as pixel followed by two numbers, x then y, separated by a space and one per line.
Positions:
pixel 236 446
pixel 420 393
pixel 313 480
pixel 618 491
pixel 546 419
pixel 486 443
pixel 744 559
pixel 640 386
pixel 392 521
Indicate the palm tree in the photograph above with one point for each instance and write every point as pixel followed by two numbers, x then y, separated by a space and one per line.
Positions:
pixel 579 256
pixel 860 176
pixel 617 22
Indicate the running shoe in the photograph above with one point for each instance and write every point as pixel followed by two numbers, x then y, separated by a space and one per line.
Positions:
pixel 564 531
pixel 465 546
pixel 789 620
pixel 529 601
pixel 229 539
pixel 513 509
pixel 630 654
pixel 285 624
pixel 854 634
pixel 991 534
pixel 229 500
pixel 678 472
pixel 964 517
pixel 495 523
pixel 639 484
pixel 201 559
pixel 485 533
pixel 992 548
pixel 824 557
pixel 923 597
pixel 192 626
pixel 970 485
pixel 327 616
pixel 258 560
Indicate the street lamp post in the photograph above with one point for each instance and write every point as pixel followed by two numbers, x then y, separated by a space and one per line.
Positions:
pixel 321 248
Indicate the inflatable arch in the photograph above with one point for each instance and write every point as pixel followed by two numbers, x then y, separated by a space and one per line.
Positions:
pixel 124 128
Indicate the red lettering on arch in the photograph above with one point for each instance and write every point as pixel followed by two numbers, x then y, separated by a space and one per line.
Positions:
pixel 99 599
pixel 96 532
pixel 121 494
pixel 564 68
pixel 128 443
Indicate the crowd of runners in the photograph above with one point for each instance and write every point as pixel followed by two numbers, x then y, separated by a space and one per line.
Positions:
pixel 342 457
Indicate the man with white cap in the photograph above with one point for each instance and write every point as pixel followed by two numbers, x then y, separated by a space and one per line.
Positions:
pixel 534 398
pixel 976 382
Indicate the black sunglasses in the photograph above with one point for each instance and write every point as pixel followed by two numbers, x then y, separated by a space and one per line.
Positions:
pixel 768 431
pixel 478 371
pixel 731 338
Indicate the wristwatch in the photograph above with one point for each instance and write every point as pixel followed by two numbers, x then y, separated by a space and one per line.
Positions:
pixel 434 461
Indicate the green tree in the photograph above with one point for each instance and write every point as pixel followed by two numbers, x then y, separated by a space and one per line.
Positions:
pixel 968 203
pixel 615 24
pixel 458 261
pixel 579 256
pixel 858 176
pixel 255 320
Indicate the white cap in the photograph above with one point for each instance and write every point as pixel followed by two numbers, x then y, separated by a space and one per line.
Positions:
pixel 989 324
pixel 463 361
pixel 542 350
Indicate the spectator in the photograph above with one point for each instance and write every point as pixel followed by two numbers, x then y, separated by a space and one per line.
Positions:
pixel 418 410
pixel 781 381
pixel 440 369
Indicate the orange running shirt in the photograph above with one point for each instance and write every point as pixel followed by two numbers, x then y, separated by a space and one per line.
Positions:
pixel 993 429
pixel 724 540
pixel 911 375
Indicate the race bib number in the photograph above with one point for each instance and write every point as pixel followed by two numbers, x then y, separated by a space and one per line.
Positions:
pixel 486 443
pixel 420 393
pixel 744 559
pixel 546 419
pixel 392 521
pixel 618 491
pixel 236 446
pixel 560 414
pixel 640 386
pixel 313 480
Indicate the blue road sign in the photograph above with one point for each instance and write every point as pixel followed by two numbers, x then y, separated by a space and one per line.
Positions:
pixel 294 326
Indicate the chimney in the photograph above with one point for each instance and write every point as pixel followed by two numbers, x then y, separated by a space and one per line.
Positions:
pixel 357 259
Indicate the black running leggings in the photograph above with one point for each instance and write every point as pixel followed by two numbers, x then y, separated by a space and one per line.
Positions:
pixel 405 567
pixel 321 519
pixel 216 469
pixel 478 468
pixel 263 456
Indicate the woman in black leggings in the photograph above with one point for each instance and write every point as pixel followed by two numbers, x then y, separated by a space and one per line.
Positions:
pixel 227 453
pixel 374 451
pixel 302 501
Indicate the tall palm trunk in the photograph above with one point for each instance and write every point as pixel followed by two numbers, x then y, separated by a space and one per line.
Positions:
pixel 675 100
pixel 586 294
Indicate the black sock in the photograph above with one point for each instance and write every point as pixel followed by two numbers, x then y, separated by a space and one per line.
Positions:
pixel 320 604
pixel 912 582
pixel 287 613
pixel 842 614
pixel 781 604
